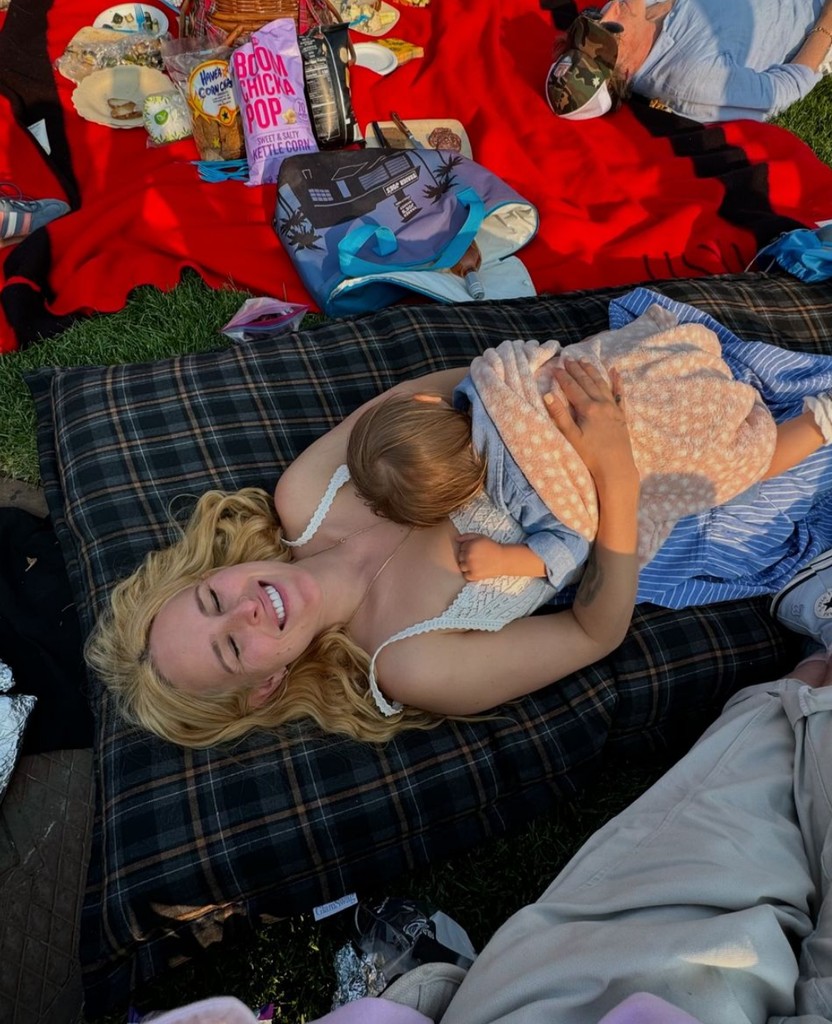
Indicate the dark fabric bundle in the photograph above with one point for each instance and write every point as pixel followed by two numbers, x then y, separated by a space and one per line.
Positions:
pixel 40 638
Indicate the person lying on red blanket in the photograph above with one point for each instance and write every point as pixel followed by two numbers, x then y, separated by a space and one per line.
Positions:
pixel 704 59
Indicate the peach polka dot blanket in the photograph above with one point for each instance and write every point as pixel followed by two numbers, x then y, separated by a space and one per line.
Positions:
pixel 699 436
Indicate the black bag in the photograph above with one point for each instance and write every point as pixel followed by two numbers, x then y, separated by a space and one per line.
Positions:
pixel 326 77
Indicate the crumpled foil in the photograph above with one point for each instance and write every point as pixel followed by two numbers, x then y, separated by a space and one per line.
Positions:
pixel 13 714
pixel 356 975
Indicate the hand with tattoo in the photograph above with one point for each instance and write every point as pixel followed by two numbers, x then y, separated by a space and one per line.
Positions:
pixel 590 414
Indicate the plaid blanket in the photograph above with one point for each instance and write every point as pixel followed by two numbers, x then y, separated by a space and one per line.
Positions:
pixel 188 843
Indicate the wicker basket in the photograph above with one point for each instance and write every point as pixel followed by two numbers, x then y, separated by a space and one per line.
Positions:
pixel 248 15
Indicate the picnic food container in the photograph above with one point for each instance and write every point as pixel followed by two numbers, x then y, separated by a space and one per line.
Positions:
pixel 166 117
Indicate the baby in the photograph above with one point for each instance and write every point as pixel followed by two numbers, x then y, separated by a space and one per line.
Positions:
pixel 699 436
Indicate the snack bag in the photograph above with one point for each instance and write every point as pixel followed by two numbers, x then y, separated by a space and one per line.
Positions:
pixel 327 54
pixel 202 74
pixel 268 80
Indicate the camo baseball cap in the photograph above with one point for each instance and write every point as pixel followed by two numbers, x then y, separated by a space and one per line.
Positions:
pixel 577 83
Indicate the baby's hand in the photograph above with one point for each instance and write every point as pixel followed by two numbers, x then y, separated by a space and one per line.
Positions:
pixel 478 557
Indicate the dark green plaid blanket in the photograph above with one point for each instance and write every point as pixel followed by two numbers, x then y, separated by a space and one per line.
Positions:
pixel 186 842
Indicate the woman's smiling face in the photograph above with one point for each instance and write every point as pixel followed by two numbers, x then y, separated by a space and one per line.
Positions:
pixel 240 627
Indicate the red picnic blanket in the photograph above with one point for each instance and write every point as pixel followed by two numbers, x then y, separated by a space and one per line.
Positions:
pixel 630 197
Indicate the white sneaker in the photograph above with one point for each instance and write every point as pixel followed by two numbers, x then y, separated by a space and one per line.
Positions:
pixel 805 604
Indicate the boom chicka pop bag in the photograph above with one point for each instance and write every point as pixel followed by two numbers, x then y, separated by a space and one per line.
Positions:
pixel 267 73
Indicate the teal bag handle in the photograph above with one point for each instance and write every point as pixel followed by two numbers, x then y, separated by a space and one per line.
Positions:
pixel 352 265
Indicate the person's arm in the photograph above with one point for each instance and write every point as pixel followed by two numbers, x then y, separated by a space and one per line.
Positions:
pixel 817 42
pixel 796 440
pixel 607 591
pixel 725 82
pixel 465 673
pixel 303 483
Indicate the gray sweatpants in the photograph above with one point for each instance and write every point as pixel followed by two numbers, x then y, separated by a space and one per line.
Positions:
pixel 702 891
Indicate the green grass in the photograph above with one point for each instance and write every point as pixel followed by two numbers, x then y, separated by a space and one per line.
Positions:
pixel 152 325
pixel 290 963
pixel 811 119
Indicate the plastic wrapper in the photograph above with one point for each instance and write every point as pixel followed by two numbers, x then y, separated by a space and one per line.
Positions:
pixel 92 49
pixel 357 975
pixel 202 74
pixel 166 117
pixel 264 318
pixel 391 938
pixel 14 710
pixel 325 71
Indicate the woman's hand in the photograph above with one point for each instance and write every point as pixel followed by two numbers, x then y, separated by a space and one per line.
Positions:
pixel 590 415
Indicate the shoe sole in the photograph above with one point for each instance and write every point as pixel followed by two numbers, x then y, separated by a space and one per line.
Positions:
pixel 823 561
pixel 12 241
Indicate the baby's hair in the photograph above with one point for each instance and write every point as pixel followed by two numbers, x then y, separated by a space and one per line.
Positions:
pixel 412 460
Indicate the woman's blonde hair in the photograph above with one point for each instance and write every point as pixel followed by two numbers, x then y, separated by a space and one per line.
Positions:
pixel 327 683
pixel 412 461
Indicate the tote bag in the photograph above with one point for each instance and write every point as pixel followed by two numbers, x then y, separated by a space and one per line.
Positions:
pixel 365 227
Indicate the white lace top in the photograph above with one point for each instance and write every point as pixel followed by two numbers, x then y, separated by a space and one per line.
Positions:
pixel 487 605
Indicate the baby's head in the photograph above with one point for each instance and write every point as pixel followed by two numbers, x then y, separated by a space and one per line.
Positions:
pixel 411 459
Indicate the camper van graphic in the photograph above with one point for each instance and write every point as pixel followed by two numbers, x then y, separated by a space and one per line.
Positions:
pixel 315 195
pixel 328 198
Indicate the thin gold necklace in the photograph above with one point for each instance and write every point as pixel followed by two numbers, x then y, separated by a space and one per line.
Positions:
pixel 349 536
pixel 378 571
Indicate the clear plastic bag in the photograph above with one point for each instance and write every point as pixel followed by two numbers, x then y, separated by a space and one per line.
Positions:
pixel 201 72
pixel 404 933
pixel 92 49
pixel 262 318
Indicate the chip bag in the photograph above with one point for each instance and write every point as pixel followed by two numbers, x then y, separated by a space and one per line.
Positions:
pixel 201 73
pixel 268 80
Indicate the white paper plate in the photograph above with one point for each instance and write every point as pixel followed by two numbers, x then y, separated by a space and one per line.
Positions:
pixel 388 11
pixel 375 57
pixel 133 18
pixel 127 82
